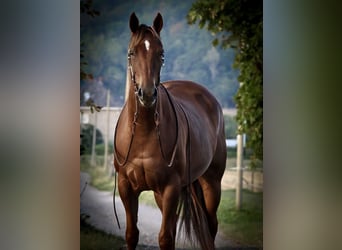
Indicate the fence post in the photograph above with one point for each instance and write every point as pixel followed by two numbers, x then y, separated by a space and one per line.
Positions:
pixel 239 172
pixel 105 160
pixel 93 153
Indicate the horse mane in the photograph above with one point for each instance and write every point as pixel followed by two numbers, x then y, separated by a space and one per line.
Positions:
pixel 140 34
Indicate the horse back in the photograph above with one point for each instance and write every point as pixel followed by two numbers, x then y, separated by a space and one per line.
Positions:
pixel 197 101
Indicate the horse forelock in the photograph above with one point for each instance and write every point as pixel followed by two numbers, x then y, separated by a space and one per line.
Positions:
pixel 141 34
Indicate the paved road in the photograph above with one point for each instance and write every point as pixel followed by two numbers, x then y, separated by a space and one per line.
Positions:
pixel 98 205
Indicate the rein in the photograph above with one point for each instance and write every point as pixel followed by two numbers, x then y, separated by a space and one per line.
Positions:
pixel 157 123
pixel 134 123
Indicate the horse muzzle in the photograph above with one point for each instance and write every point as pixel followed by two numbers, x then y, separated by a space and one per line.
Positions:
pixel 147 98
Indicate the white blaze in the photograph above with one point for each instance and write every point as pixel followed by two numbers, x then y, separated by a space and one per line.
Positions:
pixel 147 45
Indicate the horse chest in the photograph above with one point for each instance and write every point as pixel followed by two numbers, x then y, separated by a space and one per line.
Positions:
pixel 144 174
pixel 145 164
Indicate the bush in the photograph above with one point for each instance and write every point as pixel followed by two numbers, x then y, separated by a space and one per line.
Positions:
pixel 87 138
pixel 230 126
pixel 100 149
pixel 231 153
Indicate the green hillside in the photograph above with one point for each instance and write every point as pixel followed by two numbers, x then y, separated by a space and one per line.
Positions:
pixel 189 53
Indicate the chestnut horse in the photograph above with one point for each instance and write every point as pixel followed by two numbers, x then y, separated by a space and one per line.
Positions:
pixel 170 139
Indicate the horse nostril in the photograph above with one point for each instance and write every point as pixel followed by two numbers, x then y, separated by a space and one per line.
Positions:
pixel 155 93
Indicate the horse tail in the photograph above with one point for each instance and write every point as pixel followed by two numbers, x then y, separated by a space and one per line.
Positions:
pixel 194 216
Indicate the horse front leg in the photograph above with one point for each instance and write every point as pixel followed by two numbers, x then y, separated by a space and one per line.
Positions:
pixel 130 202
pixel 167 232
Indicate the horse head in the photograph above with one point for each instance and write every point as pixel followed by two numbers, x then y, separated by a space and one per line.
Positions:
pixel 145 59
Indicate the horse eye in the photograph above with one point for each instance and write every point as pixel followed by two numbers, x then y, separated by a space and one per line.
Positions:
pixel 162 57
pixel 130 54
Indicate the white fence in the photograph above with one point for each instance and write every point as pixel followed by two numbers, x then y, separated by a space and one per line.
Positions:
pixel 106 120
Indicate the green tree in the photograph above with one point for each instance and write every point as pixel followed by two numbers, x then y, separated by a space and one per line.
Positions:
pixel 86 8
pixel 238 24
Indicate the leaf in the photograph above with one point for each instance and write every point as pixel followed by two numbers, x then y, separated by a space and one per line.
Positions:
pixel 98 108
pixel 215 42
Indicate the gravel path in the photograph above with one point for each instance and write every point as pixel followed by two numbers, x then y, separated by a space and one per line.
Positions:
pixel 98 205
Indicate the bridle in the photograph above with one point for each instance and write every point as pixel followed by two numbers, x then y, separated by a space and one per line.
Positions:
pixel 129 58
pixel 130 67
pixel 156 118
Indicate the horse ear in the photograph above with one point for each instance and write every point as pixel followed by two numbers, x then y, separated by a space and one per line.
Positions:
pixel 133 22
pixel 158 23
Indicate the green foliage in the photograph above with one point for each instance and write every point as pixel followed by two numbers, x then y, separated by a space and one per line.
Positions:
pixel 239 24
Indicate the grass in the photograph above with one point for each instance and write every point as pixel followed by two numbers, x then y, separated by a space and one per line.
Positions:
pixel 98 174
pixel 147 198
pixel 93 239
pixel 244 227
